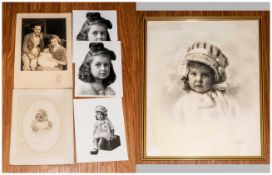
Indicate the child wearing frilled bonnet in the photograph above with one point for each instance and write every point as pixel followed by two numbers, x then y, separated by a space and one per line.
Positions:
pixel 202 71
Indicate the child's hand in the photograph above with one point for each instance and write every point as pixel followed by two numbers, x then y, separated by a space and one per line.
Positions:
pixel 50 124
pixel 35 51
pixel 111 136
pixel 46 50
pixel 34 128
pixel 31 56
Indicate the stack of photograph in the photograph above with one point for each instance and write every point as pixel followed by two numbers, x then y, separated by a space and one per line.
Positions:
pixel 99 122
pixel 42 109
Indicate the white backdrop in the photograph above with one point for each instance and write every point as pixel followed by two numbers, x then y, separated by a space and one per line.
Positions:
pixel 84 114
pixel 79 17
pixel 82 48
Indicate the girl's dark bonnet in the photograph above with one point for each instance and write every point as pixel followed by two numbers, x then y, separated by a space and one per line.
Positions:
pixel 95 18
pixel 99 49
pixel 96 48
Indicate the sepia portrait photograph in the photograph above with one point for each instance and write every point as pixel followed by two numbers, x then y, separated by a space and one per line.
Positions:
pixel 89 25
pixel 202 88
pixel 43 47
pixel 42 51
pixel 100 130
pixel 98 69
pixel 42 127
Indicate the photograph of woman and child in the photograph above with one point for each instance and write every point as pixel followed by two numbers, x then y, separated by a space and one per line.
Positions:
pixel 42 51
pixel 203 89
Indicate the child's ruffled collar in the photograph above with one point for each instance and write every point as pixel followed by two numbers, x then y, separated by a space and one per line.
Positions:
pixel 210 98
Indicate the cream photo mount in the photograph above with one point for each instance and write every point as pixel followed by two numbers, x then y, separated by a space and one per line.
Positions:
pixel 43 78
pixel 42 127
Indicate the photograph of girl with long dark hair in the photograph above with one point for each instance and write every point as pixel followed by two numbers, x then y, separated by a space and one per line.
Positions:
pixel 95 28
pixel 96 71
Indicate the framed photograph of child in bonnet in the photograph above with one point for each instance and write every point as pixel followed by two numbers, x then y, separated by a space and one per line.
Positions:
pixel 204 89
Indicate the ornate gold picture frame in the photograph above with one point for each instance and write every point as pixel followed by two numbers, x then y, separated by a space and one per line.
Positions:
pixel 185 118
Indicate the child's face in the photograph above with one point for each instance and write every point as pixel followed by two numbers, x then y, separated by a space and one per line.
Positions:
pixel 100 67
pixel 39 117
pixel 200 78
pixel 54 42
pixel 97 32
pixel 99 115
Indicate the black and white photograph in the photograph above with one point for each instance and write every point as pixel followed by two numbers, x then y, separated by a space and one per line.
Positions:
pixel 103 134
pixel 94 25
pixel 202 88
pixel 43 47
pixel 43 44
pixel 100 130
pixel 98 69
pixel 42 127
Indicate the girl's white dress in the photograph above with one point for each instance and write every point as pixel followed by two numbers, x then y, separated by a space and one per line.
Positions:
pixel 46 61
pixel 102 129
pixel 209 124
pixel 210 105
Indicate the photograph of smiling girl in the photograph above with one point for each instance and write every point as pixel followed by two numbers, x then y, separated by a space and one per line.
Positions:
pixel 98 70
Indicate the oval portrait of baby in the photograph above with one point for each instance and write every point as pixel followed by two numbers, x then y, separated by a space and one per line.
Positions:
pixel 41 125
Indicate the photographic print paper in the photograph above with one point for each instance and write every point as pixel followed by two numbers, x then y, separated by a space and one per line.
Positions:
pixel 100 130
pixel 43 49
pixel 42 127
pixel 94 25
pixel 98 69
